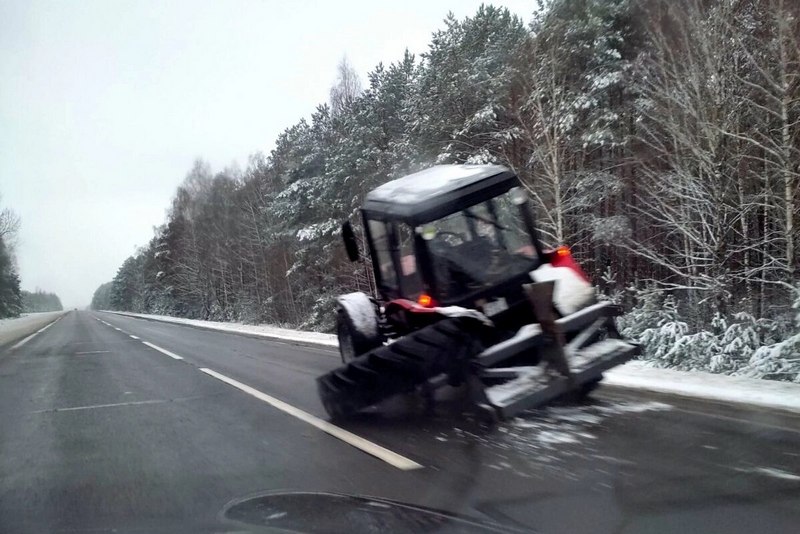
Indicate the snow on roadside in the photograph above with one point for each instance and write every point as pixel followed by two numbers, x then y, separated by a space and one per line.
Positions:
pixel 271 332
pixel 25 318
pixel 723 388
pixel 18 327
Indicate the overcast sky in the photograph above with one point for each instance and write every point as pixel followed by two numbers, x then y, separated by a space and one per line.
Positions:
pixel 104 105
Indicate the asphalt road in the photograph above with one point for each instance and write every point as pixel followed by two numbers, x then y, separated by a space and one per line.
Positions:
pixel 100 432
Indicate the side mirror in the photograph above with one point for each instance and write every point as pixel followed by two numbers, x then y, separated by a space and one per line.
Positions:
pixel 350 243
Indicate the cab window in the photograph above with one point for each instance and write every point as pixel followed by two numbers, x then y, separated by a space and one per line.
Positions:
pixel 411 283
pixel 379 232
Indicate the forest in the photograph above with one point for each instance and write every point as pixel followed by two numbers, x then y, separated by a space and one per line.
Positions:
pixel 40 301
pixel 659 139
pixel 13 299
pixel 10 293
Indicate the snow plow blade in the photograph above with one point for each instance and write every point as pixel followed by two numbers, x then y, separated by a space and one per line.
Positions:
pixel 533 386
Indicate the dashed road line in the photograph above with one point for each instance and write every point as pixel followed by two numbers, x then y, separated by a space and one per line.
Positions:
pixel 382 453
pixel 164 351
pixel 133 337
pixel 392 458
pixel 92 352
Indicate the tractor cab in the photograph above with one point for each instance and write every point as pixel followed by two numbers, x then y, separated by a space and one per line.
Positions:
pixel 451 235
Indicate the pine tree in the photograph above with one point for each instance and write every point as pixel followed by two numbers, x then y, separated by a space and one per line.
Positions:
pixel 10 294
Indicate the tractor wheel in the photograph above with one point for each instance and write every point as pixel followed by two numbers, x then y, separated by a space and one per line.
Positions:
pixel 398 367
pixel 357 326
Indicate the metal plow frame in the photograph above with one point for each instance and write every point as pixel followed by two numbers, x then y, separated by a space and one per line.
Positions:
pixel 565 368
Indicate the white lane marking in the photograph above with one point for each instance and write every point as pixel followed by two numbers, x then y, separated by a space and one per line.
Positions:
pixel 382 453
pixel 93 352
pixel 48 326
pixel 118 329
pixel 164 351
pixel 132 336
pixel 20 343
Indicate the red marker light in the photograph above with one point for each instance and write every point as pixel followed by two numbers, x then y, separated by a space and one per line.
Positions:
pixel 425 301
pixel 562 257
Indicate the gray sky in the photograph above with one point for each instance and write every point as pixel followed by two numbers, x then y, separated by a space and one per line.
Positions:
pixel 104 105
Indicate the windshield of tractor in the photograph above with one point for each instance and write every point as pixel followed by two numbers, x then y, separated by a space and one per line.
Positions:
pixel 479 247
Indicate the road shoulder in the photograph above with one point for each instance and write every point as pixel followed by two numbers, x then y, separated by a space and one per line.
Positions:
pixel 14 330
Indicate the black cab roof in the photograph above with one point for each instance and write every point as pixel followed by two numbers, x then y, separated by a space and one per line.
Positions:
pixel 436 192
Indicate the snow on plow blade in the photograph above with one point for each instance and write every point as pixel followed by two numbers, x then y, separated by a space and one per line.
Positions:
pixel 533 386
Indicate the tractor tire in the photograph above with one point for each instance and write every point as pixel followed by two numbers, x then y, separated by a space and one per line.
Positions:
pixel 400 366
pixel 357 337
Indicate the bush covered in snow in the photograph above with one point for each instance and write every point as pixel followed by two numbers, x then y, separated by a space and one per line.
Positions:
pixel 740 344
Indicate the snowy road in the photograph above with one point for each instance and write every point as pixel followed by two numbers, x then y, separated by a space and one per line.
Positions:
pixel 112 422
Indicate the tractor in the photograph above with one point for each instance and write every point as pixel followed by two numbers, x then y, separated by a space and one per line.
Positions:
pixel 467 295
